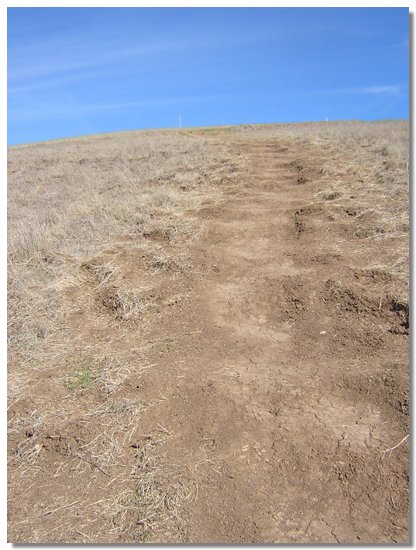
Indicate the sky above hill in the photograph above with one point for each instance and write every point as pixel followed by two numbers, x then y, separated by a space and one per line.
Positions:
pixel 74 71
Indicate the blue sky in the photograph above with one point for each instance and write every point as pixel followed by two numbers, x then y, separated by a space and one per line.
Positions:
pixel 74 71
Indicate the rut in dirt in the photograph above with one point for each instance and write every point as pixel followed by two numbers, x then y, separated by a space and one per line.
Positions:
pixel 283 449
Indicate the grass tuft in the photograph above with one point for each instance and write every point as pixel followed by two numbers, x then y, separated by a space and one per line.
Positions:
pixel 83 378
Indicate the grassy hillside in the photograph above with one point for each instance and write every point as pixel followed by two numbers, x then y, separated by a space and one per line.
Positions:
pixel 171 291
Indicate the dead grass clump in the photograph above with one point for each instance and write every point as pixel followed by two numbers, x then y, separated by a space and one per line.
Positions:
pixel 168 228
pixel 28 451
pixel 147 496
pixel 330 195
pixel 125 305
pixel 112 376
pixel 168 262
pixel 160 489
pixel 101 271
pixel 25 429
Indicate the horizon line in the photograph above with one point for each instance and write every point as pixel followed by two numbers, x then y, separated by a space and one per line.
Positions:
pixel 183 128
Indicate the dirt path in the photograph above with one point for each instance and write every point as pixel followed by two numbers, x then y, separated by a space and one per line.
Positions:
pixel 271 405
pixel 253 398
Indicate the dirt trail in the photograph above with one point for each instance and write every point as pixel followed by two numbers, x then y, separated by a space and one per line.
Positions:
pixel 282 448
pixel 254 397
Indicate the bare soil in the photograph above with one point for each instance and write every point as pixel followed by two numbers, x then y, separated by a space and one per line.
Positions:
pixel 252 392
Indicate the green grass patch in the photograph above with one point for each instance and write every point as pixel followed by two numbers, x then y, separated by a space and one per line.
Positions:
pixel 83 378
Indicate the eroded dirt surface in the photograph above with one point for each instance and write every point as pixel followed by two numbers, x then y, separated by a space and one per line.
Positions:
pixel 281 395
pixel 279 376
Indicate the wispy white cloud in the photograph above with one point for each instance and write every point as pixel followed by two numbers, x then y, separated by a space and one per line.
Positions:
pixel 376 90
pixel 67 56
pixel 39 110
pixel 39 84
pixel 388 89
pixel 78 58
pixel 380 90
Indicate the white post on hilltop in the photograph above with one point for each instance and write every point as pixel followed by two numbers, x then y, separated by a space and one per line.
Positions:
pixel 180 121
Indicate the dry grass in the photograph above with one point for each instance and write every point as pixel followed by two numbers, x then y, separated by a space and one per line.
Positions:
pixel 93 222
pixel 72 200
pixel 119 495
pixel 120 486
